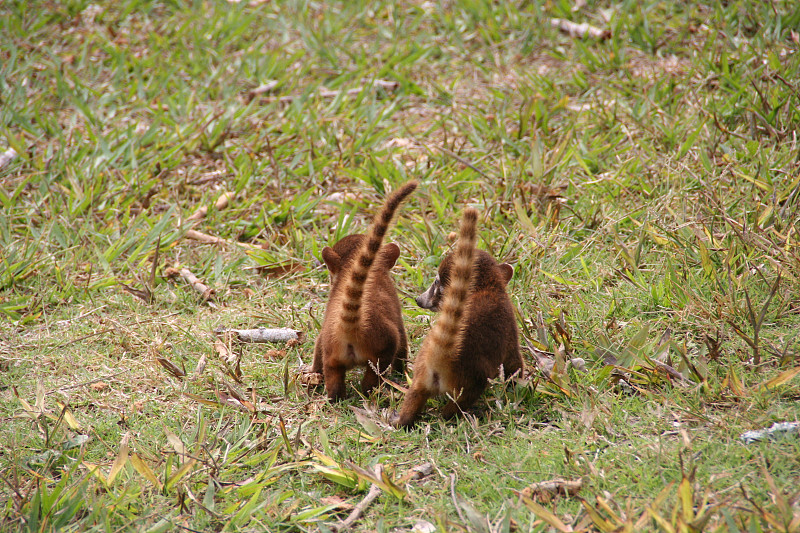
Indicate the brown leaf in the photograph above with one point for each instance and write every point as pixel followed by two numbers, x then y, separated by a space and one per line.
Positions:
pixel 144 295
pixel 170 367
pixel 278 270
pixel 310 379
pixel 224 351
pixel 339 503
pixel 275 354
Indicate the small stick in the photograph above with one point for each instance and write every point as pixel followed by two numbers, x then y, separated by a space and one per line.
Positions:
pixel 261 89
pixel 264 334
pixel 210 239
pixel 455 497
pixel 219 205
pixel 206 292
pixel 89 382
pixel 374 492
pixel 579 30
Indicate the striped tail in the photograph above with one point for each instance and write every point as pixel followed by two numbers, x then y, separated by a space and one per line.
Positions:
pixel 354 289
pixel 443 338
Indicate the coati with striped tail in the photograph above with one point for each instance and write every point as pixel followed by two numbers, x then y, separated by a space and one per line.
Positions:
pixel 363 324
pixel 474 335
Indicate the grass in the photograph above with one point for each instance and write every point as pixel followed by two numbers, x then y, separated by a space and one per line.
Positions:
pixel 645 187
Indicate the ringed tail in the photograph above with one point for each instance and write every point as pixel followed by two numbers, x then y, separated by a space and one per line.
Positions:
pixel 445 334
pixel 354 289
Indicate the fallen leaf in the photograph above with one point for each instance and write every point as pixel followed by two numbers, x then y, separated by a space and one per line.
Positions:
pixel 275 354
pixel 336 501
pixel 170 367
pixel 311 379
pixel 545 491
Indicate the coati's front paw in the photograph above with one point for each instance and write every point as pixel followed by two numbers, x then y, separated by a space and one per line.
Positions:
pixel 400 421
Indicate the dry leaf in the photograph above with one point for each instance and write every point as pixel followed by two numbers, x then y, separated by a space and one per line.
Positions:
pixel 545 491
pixel 310 379
pixel 339 503
pixel 170 367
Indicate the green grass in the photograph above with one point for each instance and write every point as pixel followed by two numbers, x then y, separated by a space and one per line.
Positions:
pixel 640 185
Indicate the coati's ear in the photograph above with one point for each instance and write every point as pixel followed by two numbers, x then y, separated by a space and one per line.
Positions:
pixel 389 254
pixel 332 259
pixel 506 271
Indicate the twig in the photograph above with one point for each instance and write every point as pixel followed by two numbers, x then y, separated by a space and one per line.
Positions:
pixel 455 498
pixel 206 292
pixel 210 239
pixel 452 154
pixel 264 334
pixel 325 93
pixel 374 492
pixel 261 89
pixel 220 204
pixel 580 30
pixel 89 382
pixel 108 330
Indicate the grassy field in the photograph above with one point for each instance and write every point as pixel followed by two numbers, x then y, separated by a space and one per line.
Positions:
pixel 645 186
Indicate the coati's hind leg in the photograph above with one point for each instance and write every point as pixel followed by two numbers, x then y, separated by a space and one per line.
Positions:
pixel 333 374
pixel 512 365
pixel 413 404
pixel 400 358
pixel 316 366
pixel 464 401
pixel 371 378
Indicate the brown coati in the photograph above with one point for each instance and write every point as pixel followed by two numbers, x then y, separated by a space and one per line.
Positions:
pixel 474 335
pixel 363 324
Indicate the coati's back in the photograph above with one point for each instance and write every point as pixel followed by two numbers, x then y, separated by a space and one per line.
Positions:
pixel 435 369
pixel 363 324
pixel 486 337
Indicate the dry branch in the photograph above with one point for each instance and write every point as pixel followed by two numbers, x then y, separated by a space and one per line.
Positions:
pixel 374 492
pixel 264 334
pixel 580 30
pixel 418 472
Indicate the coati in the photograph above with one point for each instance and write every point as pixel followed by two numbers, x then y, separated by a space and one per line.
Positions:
pixel 363 325
pixel 474 335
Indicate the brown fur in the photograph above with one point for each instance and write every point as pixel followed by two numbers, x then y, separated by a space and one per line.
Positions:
pixel 363 324
pixel 475 334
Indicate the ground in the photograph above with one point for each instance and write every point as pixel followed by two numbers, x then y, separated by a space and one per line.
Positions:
pixel 642 181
